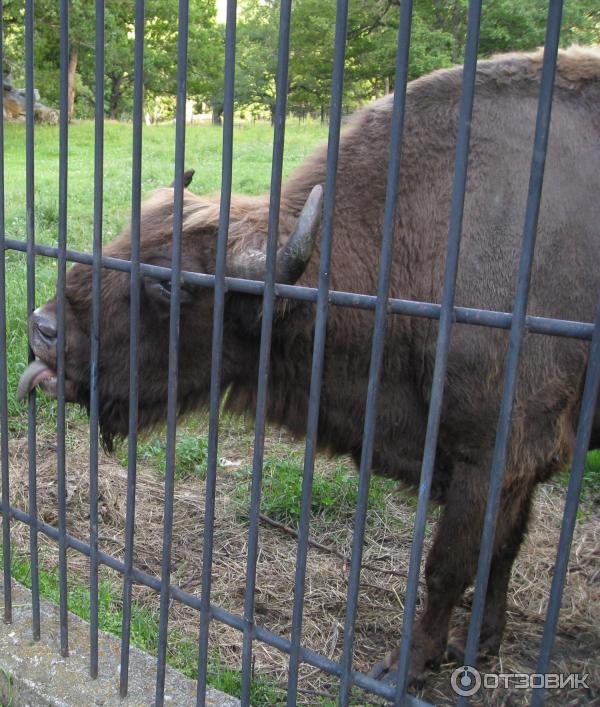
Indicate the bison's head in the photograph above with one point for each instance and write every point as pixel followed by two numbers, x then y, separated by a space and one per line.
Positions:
pixel 246 259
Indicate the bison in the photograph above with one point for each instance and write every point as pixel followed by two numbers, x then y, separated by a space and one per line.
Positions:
pixel 565 284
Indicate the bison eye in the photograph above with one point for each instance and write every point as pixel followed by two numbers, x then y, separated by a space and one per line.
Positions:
pixel 160 290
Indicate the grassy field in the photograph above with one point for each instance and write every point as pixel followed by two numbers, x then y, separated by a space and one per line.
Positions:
pixel 391 512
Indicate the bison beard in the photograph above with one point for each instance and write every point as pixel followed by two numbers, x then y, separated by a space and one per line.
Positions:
pixel 551 369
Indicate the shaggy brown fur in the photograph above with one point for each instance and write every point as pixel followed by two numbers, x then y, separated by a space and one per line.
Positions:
pixel 565 284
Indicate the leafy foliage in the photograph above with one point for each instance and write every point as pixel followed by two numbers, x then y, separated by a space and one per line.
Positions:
pixel 160 50
pixel 438 39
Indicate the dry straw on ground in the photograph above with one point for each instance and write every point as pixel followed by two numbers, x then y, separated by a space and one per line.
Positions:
pixel 378 621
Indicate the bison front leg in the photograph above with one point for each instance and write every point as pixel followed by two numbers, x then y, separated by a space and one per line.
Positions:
pixel 451 565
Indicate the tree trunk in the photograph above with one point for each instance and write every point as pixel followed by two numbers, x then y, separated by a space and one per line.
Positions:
pixel 115 95
pixel 386 84
pixel 71 83
pixel 217 112
pixel 457 33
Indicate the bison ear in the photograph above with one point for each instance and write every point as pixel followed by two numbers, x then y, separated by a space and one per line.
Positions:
pixel 187 178
pixel 293 257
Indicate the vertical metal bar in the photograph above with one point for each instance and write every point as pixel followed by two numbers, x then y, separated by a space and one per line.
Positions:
pixel 6 554
pixel 95 331
pixel 378 344
pixel 30 226
pixel 319 345
pixel 265 343
pixel 584 428
pixel 217 349
pixel 173 347
pixel 443 341
pixel 517 330
pixel 136 195
pixel 60 322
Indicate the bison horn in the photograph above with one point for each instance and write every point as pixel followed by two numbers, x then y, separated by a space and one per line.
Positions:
pixel 293 257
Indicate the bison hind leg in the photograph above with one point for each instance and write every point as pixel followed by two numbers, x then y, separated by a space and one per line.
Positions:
pixel 515 510
pixel 452 563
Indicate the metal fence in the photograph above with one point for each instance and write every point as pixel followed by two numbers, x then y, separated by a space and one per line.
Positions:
pixel 518 322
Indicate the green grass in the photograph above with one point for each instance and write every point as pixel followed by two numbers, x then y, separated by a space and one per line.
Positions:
pixel 253 145
pixel 591 474
pixel 190 454
pixel 6 678
pixel 590 493
pixel 182 653
pixel 334 497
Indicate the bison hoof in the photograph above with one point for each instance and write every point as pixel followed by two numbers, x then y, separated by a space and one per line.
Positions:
pixel 386 670
pixel 488 646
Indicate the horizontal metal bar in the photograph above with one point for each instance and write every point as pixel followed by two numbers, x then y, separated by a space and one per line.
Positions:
pixel 233 620
pixel 428 310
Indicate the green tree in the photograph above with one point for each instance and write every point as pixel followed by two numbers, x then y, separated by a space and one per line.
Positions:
pixel 438 39
pixel 256 55
pixel 160 49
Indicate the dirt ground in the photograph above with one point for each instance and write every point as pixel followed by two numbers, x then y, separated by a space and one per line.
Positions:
pixel 389 529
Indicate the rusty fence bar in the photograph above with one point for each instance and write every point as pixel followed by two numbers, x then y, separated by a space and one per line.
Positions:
pixel 517 322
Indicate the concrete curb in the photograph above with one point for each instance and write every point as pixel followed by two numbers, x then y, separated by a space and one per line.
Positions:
pixel 34 674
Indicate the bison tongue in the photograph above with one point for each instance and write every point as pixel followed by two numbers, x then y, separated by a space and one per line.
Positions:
pixel 32 375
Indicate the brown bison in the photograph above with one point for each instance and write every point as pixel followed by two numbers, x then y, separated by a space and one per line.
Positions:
pixel 565 284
